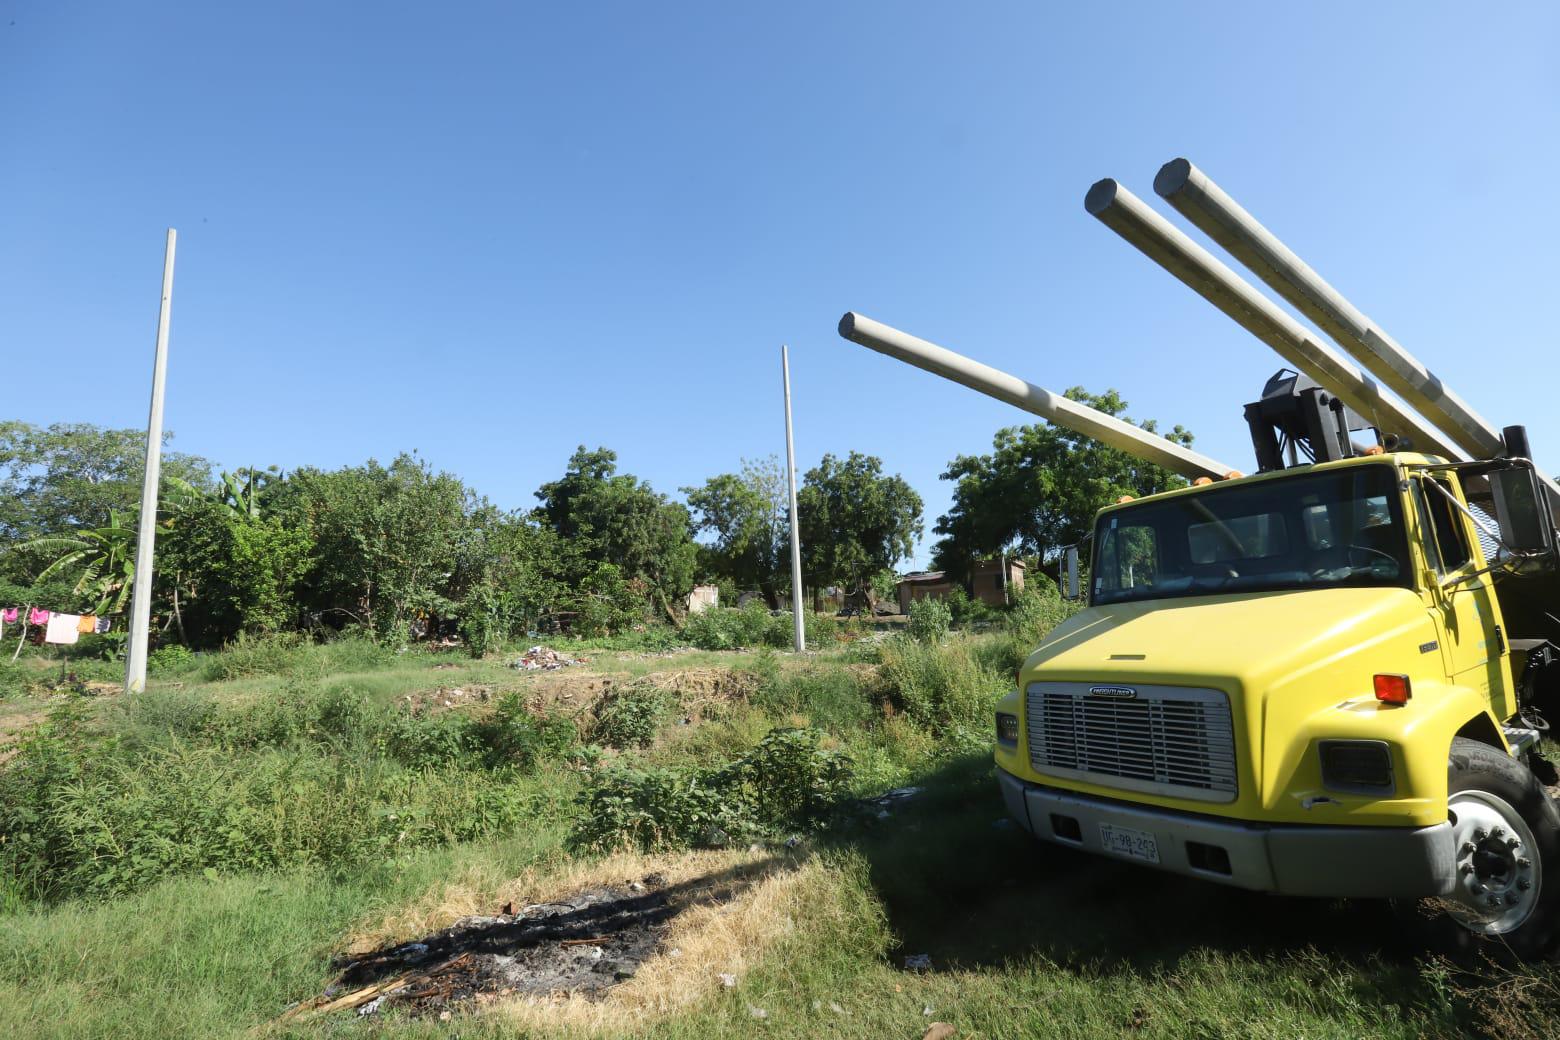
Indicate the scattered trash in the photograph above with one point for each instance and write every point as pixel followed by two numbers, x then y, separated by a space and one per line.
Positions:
pixel 372 1007
pixel 728 981
pixel 918 962
pixel 836 1008
pixel 887 802
pixel 927 1011
pixel 541 659
pixel 757 1012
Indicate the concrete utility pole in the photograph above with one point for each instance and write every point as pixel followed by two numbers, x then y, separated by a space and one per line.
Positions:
pixel 796 536
pixel 146 526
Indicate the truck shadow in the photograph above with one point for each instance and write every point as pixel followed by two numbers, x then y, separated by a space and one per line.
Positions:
pixel 966 887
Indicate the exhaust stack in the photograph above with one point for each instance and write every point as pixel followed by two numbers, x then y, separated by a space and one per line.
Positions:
pixel 1165 244
pixel 1205 204
pixel 1060 410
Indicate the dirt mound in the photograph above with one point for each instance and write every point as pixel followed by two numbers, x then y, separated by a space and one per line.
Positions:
pixel 696 686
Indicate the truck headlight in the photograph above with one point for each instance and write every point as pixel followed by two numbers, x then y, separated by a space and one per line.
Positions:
pixel 1007 729
pixel 1357 766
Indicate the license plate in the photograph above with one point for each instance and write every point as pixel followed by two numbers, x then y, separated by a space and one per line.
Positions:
pixel 1133 844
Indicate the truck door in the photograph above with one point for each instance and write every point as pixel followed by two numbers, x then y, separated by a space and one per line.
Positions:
pixel 1464 610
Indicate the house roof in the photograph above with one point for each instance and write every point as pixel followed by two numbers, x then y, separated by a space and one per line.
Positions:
pixel 924 578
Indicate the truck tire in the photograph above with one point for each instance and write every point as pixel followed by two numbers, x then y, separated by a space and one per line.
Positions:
pixel 1507 834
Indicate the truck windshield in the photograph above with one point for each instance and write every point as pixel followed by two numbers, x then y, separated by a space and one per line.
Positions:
pixel 1318 530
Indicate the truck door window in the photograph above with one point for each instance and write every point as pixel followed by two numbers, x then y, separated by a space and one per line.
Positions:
pixel 1426 528
pixel 1451 541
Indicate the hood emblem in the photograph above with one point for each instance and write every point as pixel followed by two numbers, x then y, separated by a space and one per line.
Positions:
pixel 1123 693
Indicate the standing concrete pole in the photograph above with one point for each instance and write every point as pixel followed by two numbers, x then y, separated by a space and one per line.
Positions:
pixel 146 526
pixel 796 536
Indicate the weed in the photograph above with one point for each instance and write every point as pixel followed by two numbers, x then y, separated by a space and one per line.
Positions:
pixel 785 783
pixel 628 718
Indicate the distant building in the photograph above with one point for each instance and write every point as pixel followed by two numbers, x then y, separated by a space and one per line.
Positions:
pixel 702 598
pixel 925 585
pixel 995 581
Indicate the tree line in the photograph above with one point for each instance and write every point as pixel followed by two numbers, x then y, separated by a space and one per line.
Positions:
pixel 402 550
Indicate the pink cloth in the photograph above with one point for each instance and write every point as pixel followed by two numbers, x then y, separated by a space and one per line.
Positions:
pixel 37 617
pixel 8 615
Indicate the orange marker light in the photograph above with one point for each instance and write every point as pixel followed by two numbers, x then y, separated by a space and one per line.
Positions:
pixel 1393 689
pixel 1375 449
pixel 1126 498
pixel 1234 474
pixel 1200 481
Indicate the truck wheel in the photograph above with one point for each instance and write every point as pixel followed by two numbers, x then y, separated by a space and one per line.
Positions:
pixel 1506 831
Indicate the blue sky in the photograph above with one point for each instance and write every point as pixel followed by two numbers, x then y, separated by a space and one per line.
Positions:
pixel 492 232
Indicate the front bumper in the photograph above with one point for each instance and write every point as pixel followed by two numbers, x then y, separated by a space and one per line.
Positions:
pixel 1293 859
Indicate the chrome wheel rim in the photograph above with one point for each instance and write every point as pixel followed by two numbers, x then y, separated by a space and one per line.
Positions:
pixel 1498 870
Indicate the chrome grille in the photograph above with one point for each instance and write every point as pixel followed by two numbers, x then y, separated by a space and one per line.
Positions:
pixel 1163 739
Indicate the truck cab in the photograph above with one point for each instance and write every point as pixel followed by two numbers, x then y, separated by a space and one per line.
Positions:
pixel 1275 678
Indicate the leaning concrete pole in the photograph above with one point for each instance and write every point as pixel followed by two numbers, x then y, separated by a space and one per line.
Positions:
pixel 146 525
pixel 798 625
pixel 1060 410
pixel 1205 204
pixel 1170 248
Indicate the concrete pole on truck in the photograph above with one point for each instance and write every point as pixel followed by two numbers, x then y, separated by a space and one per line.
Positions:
pixel 1060 410
pixel 799 626
pixel 146 524
pixel 1196 197
pixel 1170 248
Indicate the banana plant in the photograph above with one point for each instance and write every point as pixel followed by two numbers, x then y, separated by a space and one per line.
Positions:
pixel 106 556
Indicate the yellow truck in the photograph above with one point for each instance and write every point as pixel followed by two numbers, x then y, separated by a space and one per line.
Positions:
pixel 1328 678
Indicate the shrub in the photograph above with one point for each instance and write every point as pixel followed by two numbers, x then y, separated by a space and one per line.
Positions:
pixel 930 620
pixel 784 784
pixel 942 687
pixel 728 628
pixel 173 781
pixel 170 660
pixel 628 718
pixel 831 698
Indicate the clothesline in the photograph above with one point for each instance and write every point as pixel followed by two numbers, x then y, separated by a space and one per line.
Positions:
pixel 55 626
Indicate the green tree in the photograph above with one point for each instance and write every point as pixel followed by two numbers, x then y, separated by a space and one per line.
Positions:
pixel 746 513
pixel 73 476
pixel 390 542
pixel 221 572
pixel 855 522
pixel 102 559
pixel 1040 487
pixel 621 520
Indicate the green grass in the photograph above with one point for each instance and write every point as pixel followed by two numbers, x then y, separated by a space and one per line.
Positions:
pixel 215 841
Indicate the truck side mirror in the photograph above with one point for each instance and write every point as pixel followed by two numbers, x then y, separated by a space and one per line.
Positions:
pixel 1522 510
pixel 1071 591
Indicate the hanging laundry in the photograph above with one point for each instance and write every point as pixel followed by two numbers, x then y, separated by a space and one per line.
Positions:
pixel 63 628
pixel 87 625
pixel 103 625
pixel 37 617
pixel 8 615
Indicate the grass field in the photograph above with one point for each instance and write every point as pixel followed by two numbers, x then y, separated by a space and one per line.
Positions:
pixel 187 864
